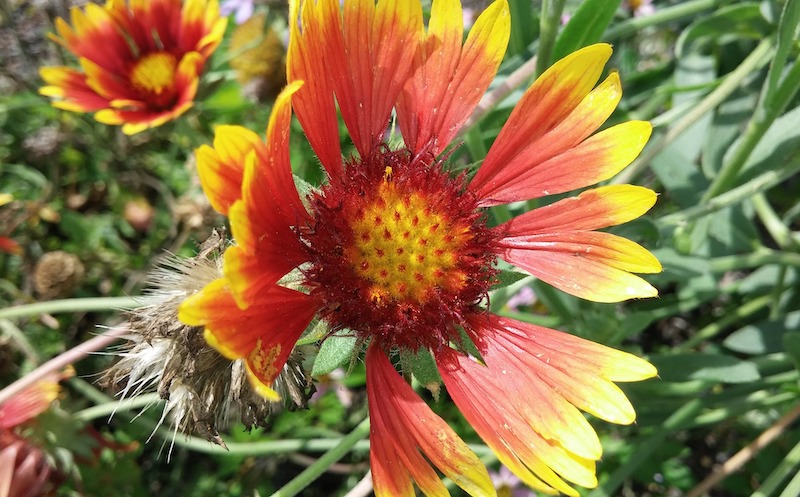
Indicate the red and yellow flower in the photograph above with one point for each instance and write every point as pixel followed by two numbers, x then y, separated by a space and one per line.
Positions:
pixel 140 60
pixel 396 249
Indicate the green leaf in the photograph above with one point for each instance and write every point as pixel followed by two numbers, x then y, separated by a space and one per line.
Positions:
pixel 729 23
pixel 791 343
pixel 424 369
pixel 335 352
pixel 586 26
pixel 708 367
pixel 765 337
pixel 697 72
pixel 507 277
pixel 726 127
pixel 779 143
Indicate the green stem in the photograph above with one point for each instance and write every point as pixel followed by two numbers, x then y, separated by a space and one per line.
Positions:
pixel 772 222
pixel 634 25
pixel 785 468
pixel 765 115
pixel 70 305
pixel 316 469
pixel 21 341
pixel 758 259
pixel 548 29
pixel 730 318
pixel 762 182
pixel 647 446
pixel 757 58
pixel 59 362
pixel 107 409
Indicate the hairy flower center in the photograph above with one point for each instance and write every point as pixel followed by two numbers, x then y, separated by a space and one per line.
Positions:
pixel 399 251
pixel 404 247
pixel 155 72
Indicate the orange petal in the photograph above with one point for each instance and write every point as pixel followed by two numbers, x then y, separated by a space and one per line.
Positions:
pixel 579 370
pixel 592 209
pixel 221 169
pixel 550 101
pixel 588 264
pixel 398 414
pixel 306 61
pixel 279 318
pixel 33 400
pixel 70 89
pixel 486 402
pixel 10 246
pixel 264 221
pixel 447 80
pixel 378 43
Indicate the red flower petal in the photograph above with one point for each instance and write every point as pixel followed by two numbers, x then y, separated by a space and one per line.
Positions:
pixel 588 264
pixel 263 222
pixel 313 103
pixel 543 148
pixel 264 333
pixel 221 169
pixel 10 246
pixel 447 80
pixel 492 408
pixel 32 401
pixel 402 426
pixel 592 209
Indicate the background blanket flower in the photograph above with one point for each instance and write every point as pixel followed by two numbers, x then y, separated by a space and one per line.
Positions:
pixel 140 61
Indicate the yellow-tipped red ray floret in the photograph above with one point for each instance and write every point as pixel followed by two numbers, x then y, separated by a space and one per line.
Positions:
pixel 313 103
pixel 263 220
pixel 221 168
pixel 599 207
pixel 555 243
pixel 263 334
pixel 408 429
pixel 447 80
pixel 543 148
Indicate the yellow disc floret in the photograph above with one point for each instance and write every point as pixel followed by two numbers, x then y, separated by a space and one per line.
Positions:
pixel 155 72
pixel 404 247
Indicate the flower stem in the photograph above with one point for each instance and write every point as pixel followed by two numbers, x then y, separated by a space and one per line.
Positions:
pixel 109 408
pixel 757 259
pixel 70 305
pixel 762 182
pixel 70 356
pixel 730 318
pixel 316 469
pixel 548 29
pixel 775 97
pixel 757 58
pixel 634 25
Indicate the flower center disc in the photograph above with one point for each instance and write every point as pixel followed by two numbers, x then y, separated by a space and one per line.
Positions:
pixel 404 247
pixel 154 75
pixel 399 251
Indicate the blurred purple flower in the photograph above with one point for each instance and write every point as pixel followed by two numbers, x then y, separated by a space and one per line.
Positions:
pixel 334 381
pixel 508 485
pixel 243 9
pixel 524 296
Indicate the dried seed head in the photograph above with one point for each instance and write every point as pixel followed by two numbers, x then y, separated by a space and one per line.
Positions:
pixel 57 274
pixel 204 391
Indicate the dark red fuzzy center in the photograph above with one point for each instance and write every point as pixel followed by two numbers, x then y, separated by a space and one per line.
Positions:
pixel 399 251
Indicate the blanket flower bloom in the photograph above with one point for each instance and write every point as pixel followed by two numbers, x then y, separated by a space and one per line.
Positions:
pixel 396 249
pixel 140 61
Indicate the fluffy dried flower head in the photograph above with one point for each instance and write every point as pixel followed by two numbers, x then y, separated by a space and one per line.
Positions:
pixel 204 391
